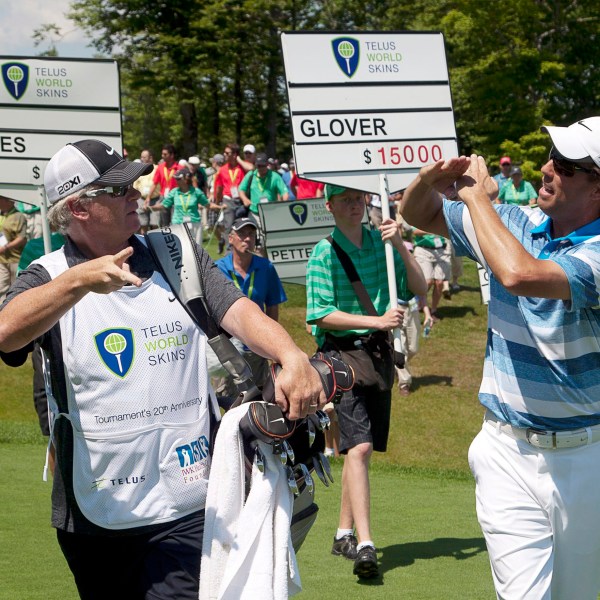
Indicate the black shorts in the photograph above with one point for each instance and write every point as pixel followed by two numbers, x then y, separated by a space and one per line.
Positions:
pixel 364 417
pixel 150 566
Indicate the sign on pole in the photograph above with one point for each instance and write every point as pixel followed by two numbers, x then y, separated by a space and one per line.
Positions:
pixel 46 103
pixel 367 103
pixel 368 110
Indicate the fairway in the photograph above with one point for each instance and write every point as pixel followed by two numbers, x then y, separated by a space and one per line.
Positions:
pixel 429 543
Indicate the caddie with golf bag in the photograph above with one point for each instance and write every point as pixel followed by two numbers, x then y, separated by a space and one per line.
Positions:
pixel 125 366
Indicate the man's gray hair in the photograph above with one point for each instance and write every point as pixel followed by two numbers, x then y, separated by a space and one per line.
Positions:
pixel 60 215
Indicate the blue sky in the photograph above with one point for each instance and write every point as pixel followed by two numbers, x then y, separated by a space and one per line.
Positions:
pixel 19 18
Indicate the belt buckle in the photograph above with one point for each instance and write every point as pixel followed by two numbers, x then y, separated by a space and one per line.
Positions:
pixel 545 435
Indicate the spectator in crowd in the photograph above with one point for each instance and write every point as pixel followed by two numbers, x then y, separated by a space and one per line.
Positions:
pixel 33 216
pixel 257 278
pixel 262 185
pixel 144 185
pixel 430 252
pixel 163 182
pixel 517 191
pixel 503 177
pixel 249 159
pixel 374 208
pixel 129 516
pixel 227 189
pixel 185 200
pixel 333 306
pixel 199 179
pixel 410 336
pixel 13 237
pixel 535 459
pixel 216 162
pixel 305 188
pixel 288 172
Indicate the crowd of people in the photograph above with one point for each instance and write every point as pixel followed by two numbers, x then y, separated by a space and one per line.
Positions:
pixel 86 303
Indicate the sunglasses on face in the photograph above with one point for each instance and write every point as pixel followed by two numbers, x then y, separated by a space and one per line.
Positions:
pixel 567 168
pixel 113 192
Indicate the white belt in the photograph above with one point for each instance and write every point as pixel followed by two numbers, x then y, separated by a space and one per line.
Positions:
pixel 547 440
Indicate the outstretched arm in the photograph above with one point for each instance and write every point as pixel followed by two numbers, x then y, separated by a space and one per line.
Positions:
pixel 30 314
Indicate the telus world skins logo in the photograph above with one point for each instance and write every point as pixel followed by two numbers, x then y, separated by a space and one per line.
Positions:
pixel 347 54
pixel 16 77
pixel 299 212
pixel 116 348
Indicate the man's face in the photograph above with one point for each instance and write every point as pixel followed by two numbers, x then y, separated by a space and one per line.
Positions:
pixel 249 156
pixel 229 155
pixel 347 208
pixel 505 168
pixel 243 240
pixel 262 170
pixel 562 196
pixel 167 156
pixel 146 157
pixel 115 217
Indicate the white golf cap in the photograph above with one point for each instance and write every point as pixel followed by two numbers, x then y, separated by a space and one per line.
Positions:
pixel 249 148
pixel 194 160
pixel 577 142
pixel 79 164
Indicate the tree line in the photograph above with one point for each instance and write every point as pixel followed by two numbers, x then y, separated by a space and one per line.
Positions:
pixel 199 73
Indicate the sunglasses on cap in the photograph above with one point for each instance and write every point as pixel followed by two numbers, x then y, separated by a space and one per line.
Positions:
pixel 113 192
pixel 567 168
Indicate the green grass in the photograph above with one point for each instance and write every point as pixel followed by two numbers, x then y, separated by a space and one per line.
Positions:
pixel 423 522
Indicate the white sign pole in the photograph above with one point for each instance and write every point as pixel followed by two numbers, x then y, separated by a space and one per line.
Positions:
pixel 389 256
pixel 45 225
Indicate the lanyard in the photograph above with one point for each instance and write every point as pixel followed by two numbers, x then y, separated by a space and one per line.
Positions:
pixel 168 173
pixel 233 174
pixel 261 187
pixel 234 276
pixel 183 201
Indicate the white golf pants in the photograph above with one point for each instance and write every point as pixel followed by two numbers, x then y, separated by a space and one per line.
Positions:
pixel 539 511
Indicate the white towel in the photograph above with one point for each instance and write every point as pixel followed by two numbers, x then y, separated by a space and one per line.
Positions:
pixel 247 550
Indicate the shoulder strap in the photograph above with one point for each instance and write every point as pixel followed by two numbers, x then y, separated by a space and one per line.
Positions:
pixel 176 255
pixel 352 274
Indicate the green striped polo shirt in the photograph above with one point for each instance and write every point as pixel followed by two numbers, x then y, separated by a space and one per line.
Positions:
pixel 328 288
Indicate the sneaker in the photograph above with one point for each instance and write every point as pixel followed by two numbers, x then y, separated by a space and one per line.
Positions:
pixel 455 288
pixel 365 565
pixel 329 452
pixel 404 389
pixel 345 546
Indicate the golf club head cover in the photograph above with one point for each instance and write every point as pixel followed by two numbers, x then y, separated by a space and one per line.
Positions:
pixel 336 377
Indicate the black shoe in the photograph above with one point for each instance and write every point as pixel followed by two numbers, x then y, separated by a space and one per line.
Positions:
pixel 365 565
pixel 345 546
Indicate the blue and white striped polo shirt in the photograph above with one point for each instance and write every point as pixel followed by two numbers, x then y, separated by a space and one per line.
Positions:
pixel 542 363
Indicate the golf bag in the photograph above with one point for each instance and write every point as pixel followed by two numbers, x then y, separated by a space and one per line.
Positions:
pixel 300 444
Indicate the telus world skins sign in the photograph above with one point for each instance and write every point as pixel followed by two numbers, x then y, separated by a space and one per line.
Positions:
pixel 46 103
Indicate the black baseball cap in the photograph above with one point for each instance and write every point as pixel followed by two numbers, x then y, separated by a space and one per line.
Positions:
pixel 240 223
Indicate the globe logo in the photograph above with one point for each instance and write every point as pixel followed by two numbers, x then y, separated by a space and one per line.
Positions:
pixel 115 344
pixel 346 52
pixel 15 76
pixel 116 349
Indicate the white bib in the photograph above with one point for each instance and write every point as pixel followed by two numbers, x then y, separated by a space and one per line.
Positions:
pixel 139 404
